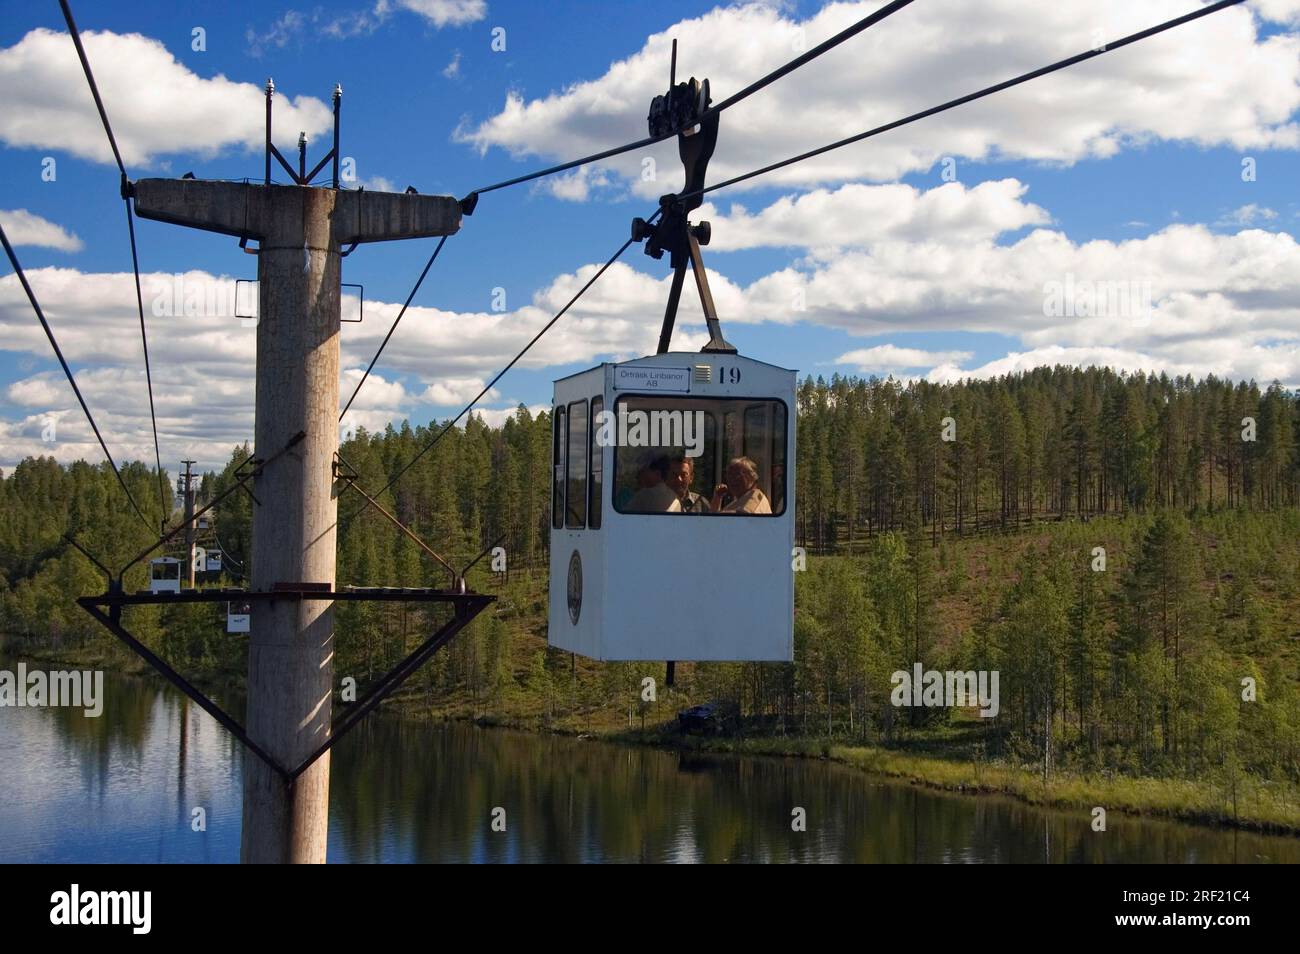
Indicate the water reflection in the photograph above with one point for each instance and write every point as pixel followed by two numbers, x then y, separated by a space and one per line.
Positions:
pixel 123 787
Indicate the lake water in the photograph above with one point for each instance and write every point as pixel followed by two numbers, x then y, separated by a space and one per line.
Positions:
pixel 123 788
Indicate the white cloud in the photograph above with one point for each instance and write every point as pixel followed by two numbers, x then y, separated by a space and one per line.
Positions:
pixel 452 69
pixel 1280 11
pixel 295 26
pixel 890 358
pixel 857 215
pixel 1245 89
pixel 378 184
pixel 1018 361
pixel 156 105
pixel 278 35
pixel 440 13
pixel 1182 298
pixel 449 392
pixel 577 185
pixel 1194 301
pixel 27 228
pixel 1248 215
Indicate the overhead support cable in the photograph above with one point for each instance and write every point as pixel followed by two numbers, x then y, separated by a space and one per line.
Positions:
pixel 148 373
pixel 135 257
pixel 94 88
pixel 418 282
pixel 58 353
pixel 847 33
pixel 980 94
pixel 513 361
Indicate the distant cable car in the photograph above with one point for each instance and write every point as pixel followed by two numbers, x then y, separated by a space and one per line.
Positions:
pixel 214 561
pixel 164 575
pixel 203 523
pixel 648 562
pixel 238 616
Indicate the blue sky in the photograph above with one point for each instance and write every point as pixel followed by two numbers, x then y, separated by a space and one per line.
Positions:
pixel 1136 159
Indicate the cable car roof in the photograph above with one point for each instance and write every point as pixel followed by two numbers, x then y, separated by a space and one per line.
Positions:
pixel 676 357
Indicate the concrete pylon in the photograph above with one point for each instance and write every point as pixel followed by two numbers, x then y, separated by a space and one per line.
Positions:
pixel 300 230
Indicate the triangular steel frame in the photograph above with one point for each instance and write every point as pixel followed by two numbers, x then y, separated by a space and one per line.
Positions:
pixel 467 607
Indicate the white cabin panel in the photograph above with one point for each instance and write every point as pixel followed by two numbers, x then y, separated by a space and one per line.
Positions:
pixel 652 582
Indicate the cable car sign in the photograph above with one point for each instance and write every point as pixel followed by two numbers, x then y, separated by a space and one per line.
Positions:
pixel 651 379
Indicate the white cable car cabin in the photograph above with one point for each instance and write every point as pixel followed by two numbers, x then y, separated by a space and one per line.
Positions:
pixel 238 617
pixel 640 572
pixel 164 575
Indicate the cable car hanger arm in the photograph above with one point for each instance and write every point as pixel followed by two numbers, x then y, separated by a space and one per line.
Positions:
pixel 685 107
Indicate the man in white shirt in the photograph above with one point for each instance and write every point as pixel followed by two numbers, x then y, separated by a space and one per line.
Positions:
pixel 653 494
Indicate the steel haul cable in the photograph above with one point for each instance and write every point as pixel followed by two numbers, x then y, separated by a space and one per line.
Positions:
pixel 135 258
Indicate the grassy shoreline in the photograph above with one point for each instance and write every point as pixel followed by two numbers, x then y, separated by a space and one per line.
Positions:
pixel 1263 807
pixel 1268 808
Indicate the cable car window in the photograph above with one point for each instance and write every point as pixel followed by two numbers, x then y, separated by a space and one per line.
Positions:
pixel 597 466
pixel 703 474
pixel 778 469
pixel 671 456
pixel 757 439
pixel 576 466
pixel 557 501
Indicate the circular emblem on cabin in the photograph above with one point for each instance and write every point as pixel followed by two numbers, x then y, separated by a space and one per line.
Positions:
pixel 575 587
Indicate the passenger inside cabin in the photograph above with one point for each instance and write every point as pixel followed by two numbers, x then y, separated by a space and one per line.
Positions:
pixel 741 493
pixel 681 474
pixel 653 494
